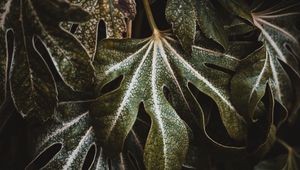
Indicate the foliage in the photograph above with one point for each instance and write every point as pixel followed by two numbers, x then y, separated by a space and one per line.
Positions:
pixel 87 87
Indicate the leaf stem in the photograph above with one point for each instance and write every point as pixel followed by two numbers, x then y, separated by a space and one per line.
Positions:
pixel 150 17
pixel 129 28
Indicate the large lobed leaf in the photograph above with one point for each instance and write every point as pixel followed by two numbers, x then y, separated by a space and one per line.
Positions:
pixel 279 31
pixel 112 12
pixel 75 137
pixel 149 66
pixel 32 85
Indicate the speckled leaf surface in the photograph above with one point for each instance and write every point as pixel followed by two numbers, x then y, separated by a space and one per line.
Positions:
pixel 256 71
pixel 185 15
pixel 3 50
pixel 76 136
pixel 148 66
pixel 112 12
pixel 40 20
pixel 32 85
pixel 279 31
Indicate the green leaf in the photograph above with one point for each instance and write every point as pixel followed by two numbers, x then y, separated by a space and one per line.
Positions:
pixel 289 161
pixel 251 79
pixel 32 85
pixel 238 27
pixel 6 104
pixel 185 15
pixel 32 21
pixel 279 31
pixel 237 7
pixel 112 12
pixel 148 66
pixel 254 75
pixel 76 137
pixel 255 72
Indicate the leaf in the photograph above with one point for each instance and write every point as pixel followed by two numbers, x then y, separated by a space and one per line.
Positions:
pixel 6 104
pixel 32 85
pixel 3 51
pixel 148 66
pixel 24 78
pixel 187 14
pixel 238 27
pixel 3 67
pixel 251 79
pixel 289 161
pixel 237 7
pixel 76 135
pixel 112 12
pixel 32 21
pixel 279 31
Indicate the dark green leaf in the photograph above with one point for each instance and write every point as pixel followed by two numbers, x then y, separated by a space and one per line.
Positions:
pixel 237 7
pixel 112 12
pixel 185 15
pixel 279 31
pixel 76 136
pixel 32 85
pixel 289 161
pixel 3 67
pixel 41 20
pixel 254 73
pixel 148 66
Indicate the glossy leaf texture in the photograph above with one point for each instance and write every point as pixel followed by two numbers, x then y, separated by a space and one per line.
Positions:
pixel 149 66
pixel 76 138
pixel 186 15
pixel 112 12
pixel 278 25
